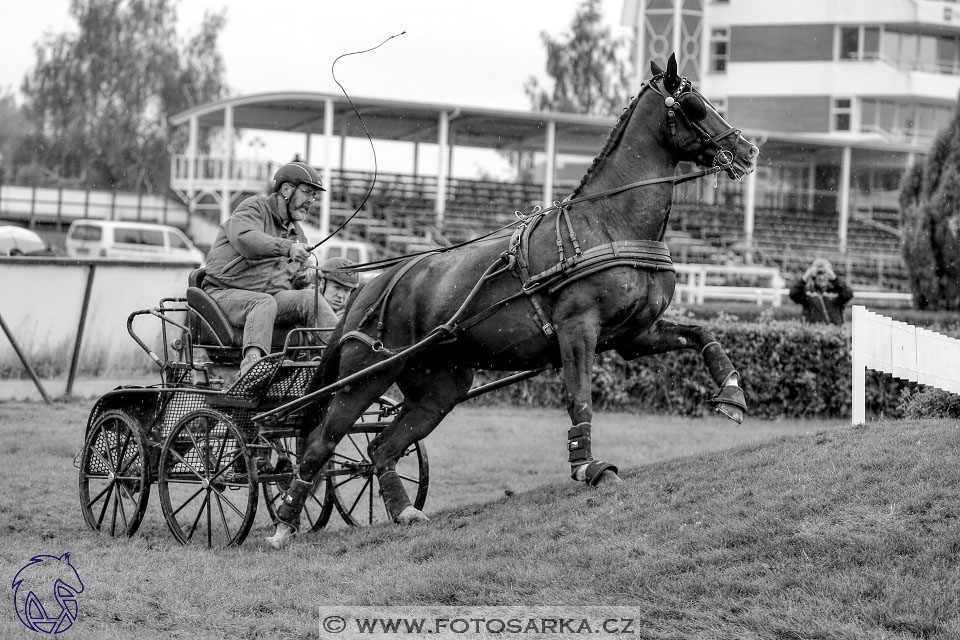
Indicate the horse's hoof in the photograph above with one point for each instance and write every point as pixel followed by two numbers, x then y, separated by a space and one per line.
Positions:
pixel 607 478
pixel 411 515
pixel 282 537
pixel 730 401
pixel 732 412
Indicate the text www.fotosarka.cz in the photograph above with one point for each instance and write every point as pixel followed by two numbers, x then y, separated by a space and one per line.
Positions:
pixel 372 622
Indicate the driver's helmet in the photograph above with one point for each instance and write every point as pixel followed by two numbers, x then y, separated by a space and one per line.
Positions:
pixel 297 173
pixel 330 270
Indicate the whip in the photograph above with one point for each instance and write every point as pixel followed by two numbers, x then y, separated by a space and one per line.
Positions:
pixel 365 130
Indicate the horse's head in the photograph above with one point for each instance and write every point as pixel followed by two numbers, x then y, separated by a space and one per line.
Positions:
pixel 695 130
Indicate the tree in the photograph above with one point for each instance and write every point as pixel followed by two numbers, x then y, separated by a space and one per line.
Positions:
pixel 930 222
pixel 589 68
pixel 14 130
pixel 100 97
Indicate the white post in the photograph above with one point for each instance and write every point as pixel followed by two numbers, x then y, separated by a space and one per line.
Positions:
pixel 226 197
pixel 844 198
pixel 858 331
pixel 549 167
pixel 443 149
pixel 327 169
pixel 749 214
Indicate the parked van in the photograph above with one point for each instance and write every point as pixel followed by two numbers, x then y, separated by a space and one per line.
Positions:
pixel 359 252
pixel 130 241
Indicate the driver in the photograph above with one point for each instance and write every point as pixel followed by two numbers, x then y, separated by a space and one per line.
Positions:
pixel 256 269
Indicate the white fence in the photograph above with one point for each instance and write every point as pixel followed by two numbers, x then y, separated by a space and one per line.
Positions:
pixel 697 283
pixel 902 350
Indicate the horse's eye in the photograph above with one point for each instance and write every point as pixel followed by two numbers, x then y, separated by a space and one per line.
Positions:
pixel 693 106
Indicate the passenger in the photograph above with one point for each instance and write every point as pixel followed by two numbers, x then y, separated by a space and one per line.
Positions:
pixel 337 285
pixel 256 269
pixel 822 293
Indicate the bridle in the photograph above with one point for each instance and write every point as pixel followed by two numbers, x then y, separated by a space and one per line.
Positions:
pixel 687 95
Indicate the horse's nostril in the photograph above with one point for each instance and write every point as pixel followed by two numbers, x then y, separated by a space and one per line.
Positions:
pixel 754 151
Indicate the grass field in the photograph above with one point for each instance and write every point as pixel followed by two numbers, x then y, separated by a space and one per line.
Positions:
pixel 767 530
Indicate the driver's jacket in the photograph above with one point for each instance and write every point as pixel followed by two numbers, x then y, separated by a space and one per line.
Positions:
pixel 252 247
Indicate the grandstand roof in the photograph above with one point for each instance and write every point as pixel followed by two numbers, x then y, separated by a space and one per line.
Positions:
pixel 300 111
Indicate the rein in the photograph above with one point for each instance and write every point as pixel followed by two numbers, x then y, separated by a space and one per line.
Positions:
pixel 557 206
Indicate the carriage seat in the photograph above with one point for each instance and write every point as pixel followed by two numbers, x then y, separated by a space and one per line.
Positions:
pixel 221 339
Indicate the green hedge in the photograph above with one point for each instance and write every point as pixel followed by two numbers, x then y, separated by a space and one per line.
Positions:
pixel 788 369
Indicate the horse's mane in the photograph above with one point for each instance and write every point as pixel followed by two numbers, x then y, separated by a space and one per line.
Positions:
pixel 616 134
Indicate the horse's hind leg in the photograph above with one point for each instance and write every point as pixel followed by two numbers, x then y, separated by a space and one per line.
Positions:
pixel 667 336
pixel 430 391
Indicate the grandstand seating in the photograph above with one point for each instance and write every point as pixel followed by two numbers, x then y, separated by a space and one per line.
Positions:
pixel 399 217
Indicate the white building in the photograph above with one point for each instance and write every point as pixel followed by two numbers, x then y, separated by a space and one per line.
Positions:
pixel 841 95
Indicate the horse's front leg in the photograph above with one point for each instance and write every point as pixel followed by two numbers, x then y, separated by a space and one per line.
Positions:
pixel 578 346
pixel 666 336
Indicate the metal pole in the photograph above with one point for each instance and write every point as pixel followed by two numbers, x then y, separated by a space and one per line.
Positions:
pixel 23 359
pixel 83 321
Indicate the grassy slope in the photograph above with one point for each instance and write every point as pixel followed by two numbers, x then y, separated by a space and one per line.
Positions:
pixel 842 533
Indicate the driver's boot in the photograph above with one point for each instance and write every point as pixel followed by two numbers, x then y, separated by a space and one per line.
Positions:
pixel 288 514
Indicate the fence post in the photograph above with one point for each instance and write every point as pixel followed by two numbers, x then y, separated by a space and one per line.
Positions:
pixel 75 359
pixel 858 336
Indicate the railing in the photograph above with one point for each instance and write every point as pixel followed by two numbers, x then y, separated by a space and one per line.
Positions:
pixel 902 350
pixel 697 283
pixel 62 206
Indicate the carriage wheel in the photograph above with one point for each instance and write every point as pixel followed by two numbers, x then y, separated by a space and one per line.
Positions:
pixel 114 475
pixel 351 482
pixel 317 509
pixel 208 481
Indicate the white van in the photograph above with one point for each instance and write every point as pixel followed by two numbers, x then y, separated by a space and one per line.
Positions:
pixel 359 252
pixel 130 241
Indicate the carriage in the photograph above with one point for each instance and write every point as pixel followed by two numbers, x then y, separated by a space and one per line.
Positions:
pixel 586 275
pixel 196 435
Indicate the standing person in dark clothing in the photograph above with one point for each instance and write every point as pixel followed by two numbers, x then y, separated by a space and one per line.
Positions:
pixel 822 293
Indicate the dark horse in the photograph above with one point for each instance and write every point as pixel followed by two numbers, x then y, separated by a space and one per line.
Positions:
pixel 589 275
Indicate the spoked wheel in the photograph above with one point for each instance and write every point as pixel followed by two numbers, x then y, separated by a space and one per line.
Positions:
pixel 317 509
pixel 114 479
pixel 207 480
pixel 352 484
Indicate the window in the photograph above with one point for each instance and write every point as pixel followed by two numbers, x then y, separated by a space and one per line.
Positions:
pixel 87 232
pixel 947 54
pixel 177 241
pixel 152 237
pixel 126 235
pixel 719 50
pixel 849 43
pixel 841 114
pixel 871 43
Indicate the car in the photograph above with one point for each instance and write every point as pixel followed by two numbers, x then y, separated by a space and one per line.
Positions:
pixel 130 241
pixel 17 241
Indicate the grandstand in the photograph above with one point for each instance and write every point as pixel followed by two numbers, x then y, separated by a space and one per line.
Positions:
pixel 399 218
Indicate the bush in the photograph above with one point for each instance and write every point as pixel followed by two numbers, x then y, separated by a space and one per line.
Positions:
pixel 788 370
pixel 929 403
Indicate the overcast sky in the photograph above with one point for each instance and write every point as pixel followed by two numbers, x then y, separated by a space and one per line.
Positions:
pixel 453 52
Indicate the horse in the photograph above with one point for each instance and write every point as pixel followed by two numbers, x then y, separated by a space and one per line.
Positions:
pixel 588 275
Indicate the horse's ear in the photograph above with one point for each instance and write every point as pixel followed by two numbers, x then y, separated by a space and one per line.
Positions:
pixel 671 81
pixel 655 68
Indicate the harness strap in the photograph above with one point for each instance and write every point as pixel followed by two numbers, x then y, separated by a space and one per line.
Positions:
pixel 650 254
pixel 381 302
